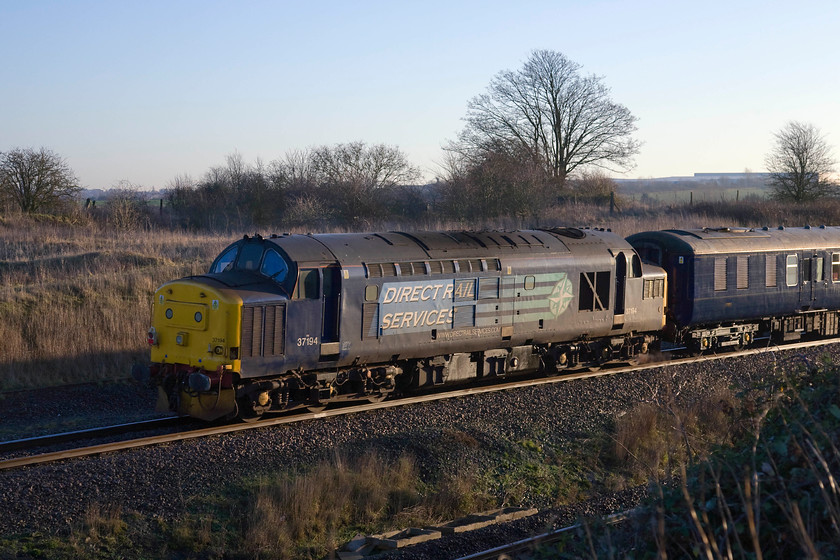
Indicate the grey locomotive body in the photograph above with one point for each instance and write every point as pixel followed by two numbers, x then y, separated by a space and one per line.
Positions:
pixel 329 317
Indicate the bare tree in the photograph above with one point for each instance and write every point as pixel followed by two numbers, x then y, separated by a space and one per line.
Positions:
pixel 800 163
pixel 356 178
pixel 127 207
pixel 36 180
pixel 549 111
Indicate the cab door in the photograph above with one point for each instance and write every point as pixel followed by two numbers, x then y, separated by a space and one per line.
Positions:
pixel 331 303
pixel 304 317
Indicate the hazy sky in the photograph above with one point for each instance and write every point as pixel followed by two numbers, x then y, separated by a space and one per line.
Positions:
pixel 146 91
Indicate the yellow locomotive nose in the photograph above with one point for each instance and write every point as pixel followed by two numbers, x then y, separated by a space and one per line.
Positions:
pixel 197 325
pixel 194 341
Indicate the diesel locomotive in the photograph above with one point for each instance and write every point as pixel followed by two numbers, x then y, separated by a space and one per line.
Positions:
pixel 291 321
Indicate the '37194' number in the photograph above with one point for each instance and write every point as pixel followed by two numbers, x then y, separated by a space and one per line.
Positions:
pixel 307 341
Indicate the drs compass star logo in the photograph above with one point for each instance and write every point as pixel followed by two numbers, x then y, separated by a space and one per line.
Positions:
pixel 561 296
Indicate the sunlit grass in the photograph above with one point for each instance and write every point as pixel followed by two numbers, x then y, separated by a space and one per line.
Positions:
pixel 75 300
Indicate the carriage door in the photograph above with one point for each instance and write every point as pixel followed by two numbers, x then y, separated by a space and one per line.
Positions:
pixel 620 289
pixel 331 303
pixel 816 291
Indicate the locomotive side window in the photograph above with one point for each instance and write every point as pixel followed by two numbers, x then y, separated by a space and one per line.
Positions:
pixel 274 266
pixel 636 266
pixel 371 292
pixel 308 285
pixel 791 270
pixel 225 261
pixel 530 282
pixel 835 267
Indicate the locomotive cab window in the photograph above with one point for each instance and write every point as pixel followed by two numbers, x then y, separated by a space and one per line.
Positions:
pixel 274 266
pixel 250 256
pixel 225 261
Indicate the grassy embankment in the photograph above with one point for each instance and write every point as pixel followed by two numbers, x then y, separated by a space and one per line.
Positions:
pixel 773 493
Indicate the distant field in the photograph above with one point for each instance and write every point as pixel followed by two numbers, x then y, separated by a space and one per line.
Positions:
pixel 684 196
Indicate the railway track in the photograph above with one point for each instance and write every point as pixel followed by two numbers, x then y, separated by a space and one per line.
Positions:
pixel 31 443
pixel 278 421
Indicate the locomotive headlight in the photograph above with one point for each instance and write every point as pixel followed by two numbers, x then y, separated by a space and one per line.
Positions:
pixel 219 350
pixel 181 339
pixel 198 316
pixel 169 313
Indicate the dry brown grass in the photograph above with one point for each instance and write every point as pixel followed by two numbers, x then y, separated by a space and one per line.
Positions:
pixel 75 299
pixel 656 438
pixel 311 513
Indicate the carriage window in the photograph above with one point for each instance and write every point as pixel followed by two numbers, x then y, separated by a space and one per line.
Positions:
pixel 818 269
pixel 791 270
pixel 806 270
pixel 225 261
pixel 274 266
pixel 835 267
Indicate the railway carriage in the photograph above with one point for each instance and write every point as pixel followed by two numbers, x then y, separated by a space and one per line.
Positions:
pixel 304 320
pixel 729 285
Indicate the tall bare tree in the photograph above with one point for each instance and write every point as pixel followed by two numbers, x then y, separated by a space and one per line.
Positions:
pixel 36 180
pixel 357 178
pixel 800 163
pixel 561 119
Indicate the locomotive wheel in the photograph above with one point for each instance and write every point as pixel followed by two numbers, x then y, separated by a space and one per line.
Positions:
pixel 247 412
pixel 316 408
pixel 376 398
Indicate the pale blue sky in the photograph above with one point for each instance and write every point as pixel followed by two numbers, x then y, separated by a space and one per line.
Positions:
pixel 145 91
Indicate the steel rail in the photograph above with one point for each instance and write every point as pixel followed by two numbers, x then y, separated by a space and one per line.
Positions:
pixel 458 393
pixel 87 433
